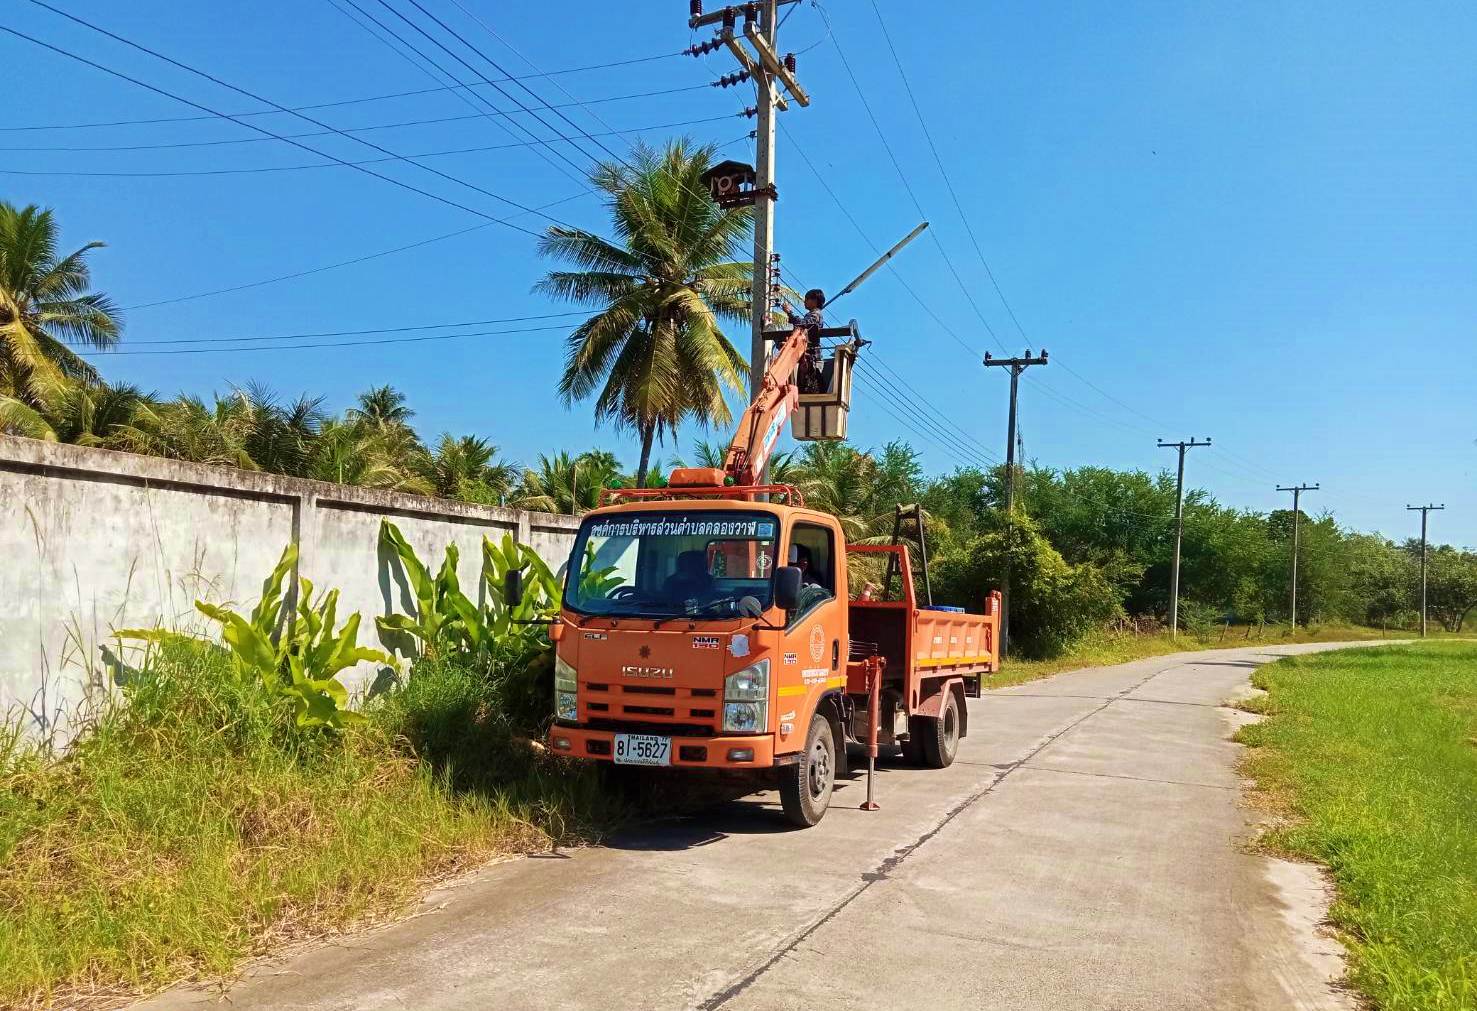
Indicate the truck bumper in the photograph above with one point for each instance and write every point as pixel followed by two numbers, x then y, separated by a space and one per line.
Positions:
pixel 747 751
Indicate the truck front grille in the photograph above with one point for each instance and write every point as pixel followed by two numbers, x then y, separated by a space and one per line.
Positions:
pixel 652 727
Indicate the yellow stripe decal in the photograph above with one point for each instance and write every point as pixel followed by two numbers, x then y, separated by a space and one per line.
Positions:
pixel 836 682
pixel 955 661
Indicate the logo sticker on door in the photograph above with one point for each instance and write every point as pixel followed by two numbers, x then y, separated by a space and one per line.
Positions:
pixel 817 642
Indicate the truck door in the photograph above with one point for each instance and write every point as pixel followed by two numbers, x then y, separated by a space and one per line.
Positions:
pixel 812 662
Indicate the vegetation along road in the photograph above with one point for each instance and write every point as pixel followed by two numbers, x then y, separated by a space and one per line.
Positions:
pixel 1088 849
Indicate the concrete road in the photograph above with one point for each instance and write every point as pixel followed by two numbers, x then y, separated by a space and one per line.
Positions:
pixel 1085 851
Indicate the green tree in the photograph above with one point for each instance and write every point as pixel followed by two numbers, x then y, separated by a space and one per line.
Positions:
pixel 467 468
pixel 565 483
pixel 84 415
pixel 653 355
pixel 45 304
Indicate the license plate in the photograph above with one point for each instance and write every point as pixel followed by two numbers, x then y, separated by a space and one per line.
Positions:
pixel 643 749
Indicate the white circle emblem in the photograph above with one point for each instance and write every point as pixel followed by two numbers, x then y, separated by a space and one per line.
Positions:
pixel 764 562
pixel 817 642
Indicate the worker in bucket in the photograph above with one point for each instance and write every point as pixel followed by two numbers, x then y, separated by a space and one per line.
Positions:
pixel 813 319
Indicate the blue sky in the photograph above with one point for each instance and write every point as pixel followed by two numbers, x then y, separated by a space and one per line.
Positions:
pixel 1254 222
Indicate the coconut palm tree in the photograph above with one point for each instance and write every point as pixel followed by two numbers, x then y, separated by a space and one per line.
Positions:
pixel 468 468
pixel 383 407
pixel 190 429
pixel 44 304
pixel 563 483
pixel 653 355
pixel 84 415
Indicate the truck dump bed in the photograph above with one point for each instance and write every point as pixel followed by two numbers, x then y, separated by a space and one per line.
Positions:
pixel 923 644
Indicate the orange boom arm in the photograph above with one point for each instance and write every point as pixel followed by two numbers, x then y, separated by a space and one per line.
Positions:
pixel 774 402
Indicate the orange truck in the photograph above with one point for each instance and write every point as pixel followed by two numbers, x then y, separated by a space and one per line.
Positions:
pixel 713 623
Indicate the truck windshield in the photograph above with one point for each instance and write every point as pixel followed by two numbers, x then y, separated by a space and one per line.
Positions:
pixel 675 563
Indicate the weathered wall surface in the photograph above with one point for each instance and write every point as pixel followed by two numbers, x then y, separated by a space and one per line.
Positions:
pixel 92 540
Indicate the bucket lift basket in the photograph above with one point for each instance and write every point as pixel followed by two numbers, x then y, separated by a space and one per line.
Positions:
pixel 821 416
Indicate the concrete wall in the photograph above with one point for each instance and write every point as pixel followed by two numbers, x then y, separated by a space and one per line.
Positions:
pixel 93 540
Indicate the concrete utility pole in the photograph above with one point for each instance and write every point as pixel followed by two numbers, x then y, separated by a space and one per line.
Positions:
pixel 1179 531
pixel 1016 366
pixel 764 66
pixel 1297 491
pixel 1425 511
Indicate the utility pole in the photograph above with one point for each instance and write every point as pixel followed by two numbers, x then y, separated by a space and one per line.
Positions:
pixel 1179 531
pixel 767 70
pixel 1016 367
pixel 1425 511
pixel 1297 491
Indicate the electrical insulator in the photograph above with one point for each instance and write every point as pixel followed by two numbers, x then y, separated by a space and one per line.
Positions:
pixel 728 80
pixel 751 11
pixel 703 48
pixel 730 18
pixel 696 8
pixel 790 62
pixel 751 112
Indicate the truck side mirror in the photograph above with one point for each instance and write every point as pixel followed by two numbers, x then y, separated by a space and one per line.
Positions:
pixel 787 587
pixel 513 587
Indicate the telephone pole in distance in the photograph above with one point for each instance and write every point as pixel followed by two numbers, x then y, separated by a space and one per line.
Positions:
pixel 1179 531
pixel 1016 367
pixel 1425 511
pixel 1297 491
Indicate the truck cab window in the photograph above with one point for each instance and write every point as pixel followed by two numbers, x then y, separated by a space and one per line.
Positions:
pixel 812 550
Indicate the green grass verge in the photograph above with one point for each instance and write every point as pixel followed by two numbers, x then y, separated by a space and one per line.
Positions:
pixel 1105 648
pixel 194 826
pixel 1369 761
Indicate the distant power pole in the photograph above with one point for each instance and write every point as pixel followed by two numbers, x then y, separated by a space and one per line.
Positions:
pixel 1425 511
pixel 1297 491
pixel 1016 366
pixel 1179 531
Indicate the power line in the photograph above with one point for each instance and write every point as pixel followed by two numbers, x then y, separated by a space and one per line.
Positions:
pixel 333 344
pixel 346 263
pixel 176 145
pixel 907 186
pixel 253 170
pixel 179 98
pixel 486 80
pixel 361 101
pixel 928 134
pixel 427 65
pixel 969 453
pixel 350 333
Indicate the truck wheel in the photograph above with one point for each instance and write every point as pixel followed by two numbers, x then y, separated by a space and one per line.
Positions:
pixel 805 789
pixel 941 740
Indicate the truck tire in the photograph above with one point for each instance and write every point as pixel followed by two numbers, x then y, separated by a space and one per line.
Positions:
pixel 941 739
pixel 805 787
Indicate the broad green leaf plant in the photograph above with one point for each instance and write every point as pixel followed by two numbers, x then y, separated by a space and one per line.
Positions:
pixel 294 650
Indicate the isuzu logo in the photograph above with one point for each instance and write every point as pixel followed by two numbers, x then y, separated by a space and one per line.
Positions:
pixel 639 671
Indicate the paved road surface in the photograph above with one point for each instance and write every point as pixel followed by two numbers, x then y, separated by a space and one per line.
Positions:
pixel 1083 852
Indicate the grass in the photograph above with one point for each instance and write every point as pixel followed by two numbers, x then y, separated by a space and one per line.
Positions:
pixel 195 826
pixel 1105 648
pixel 1369 763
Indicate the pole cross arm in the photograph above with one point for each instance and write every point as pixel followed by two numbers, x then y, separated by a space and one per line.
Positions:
pixel 775 65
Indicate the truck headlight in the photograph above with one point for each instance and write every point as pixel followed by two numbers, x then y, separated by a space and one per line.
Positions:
pixel 566 684
pixel 746 699
pixel 748 685
pixel 565 679
pixel 745 717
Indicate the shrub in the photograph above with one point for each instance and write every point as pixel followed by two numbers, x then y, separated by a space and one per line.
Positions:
pixel 1052 603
